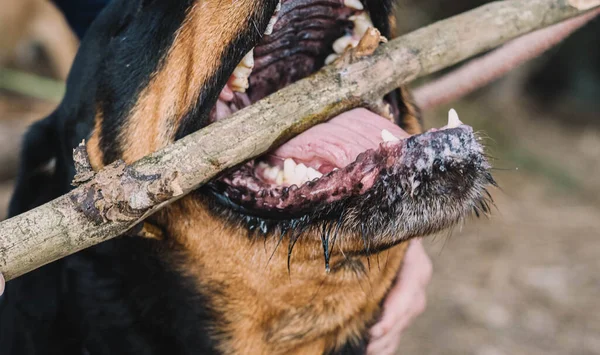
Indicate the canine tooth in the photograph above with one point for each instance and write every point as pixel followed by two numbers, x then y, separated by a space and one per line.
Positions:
pixel 340 44
pixel 362 22
pixel 387 136
pixel 354 4
pixel 453 120
pixel 313 174
pixel 331 58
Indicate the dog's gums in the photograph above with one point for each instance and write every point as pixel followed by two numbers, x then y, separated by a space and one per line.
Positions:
pixel 355 168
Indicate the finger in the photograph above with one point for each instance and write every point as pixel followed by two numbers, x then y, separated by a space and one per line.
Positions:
pixel 416 270
pixel 401 301
pixel 414 304
pixel 384 346
pixel 1 284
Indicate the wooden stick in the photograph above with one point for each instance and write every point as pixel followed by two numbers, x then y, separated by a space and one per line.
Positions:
pixel 119 197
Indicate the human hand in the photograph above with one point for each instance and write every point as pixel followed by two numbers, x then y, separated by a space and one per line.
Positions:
pixel 1 284
pixel 404 303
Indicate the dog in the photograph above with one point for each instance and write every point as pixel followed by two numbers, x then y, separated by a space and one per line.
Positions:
pixel 292 252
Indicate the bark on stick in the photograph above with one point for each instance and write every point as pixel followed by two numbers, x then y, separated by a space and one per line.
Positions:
pixel 119 196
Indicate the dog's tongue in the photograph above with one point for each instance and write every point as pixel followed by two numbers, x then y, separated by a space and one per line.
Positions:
pixel 337 142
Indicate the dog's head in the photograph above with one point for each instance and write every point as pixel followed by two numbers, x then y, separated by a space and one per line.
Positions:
pixel 343 190
pixel 170 69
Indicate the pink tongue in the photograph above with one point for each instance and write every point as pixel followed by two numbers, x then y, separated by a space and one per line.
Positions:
pixel 337 142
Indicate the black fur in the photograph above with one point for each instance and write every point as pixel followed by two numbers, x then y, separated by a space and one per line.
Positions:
pixel 119 297
pixel 123 296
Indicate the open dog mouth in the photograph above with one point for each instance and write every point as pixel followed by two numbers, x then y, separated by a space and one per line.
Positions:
pixel 358 166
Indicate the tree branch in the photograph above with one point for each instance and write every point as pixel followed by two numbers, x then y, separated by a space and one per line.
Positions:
pixel 119 196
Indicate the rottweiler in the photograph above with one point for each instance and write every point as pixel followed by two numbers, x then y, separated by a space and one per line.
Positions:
pixel 292 252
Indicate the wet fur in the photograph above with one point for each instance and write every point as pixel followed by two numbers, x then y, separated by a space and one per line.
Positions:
pixel 148 73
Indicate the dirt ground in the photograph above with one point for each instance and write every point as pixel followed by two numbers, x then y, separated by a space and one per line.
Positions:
pixel 525 280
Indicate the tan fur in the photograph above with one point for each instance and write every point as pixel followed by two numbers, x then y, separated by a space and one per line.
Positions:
pixel 191 61
pixel 93 145
pixel 23 22
pixel 266 310
pixel 411 119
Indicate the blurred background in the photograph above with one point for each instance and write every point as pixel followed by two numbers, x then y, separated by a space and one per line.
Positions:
pixel 525 280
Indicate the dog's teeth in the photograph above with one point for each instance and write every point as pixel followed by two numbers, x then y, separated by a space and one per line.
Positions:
pixel 289 173
pixel 271 25
pixel 240 84
pixel 279 178
pixel 313 174
pixel 453 120
pixel 362 22
pixel 354 4
pixel 242 72
pixel 300 172
pixel 239 79
pixel 331 58
pixel 341 44
pixel 387 136
pixel 248 60
pixel 271 173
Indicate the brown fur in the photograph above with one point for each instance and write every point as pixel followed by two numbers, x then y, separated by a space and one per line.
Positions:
pixel 93 145
pixel 411 119
pixel 192 59
pixel 267 310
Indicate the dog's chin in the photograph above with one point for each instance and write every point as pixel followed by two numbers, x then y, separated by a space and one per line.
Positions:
pixel 359 177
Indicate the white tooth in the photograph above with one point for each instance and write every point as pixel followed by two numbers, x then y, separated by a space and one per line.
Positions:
pixel 453 120
pixel 289 174
pixel 340 44
pixel 279 178
pixel 242 72
pixel 387 136
pixel 313 174
pixel 271 25
pixel 362 22
pixel 354 4
pixel 271 173
pixel 248 60
pixel 240 84
pixel 301 171
pixel 331 58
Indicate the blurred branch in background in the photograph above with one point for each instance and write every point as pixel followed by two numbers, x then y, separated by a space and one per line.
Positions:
pixel 31 85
